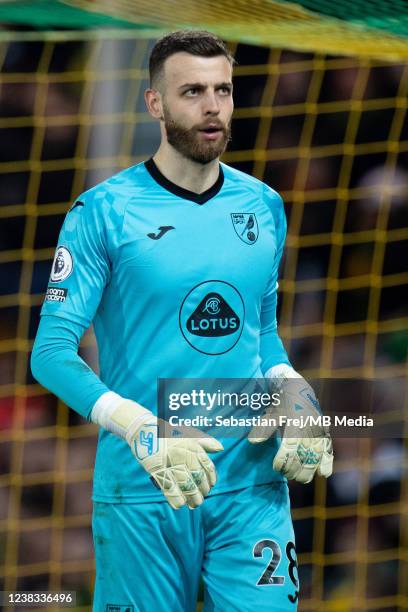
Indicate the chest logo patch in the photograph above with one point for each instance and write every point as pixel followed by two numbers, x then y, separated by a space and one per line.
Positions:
pixel 245 226
pixel 211 317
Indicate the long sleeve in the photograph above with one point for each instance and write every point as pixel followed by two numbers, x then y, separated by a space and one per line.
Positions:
pixel 56 365
pixel 272 349
pixel 80 272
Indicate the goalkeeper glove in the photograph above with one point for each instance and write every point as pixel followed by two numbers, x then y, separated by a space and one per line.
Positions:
pixel 311 450
pixel 179 466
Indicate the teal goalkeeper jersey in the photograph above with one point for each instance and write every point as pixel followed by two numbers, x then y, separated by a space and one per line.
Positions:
pixel 177 285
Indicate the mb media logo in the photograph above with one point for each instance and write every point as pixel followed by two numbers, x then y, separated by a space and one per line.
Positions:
pixel 212 316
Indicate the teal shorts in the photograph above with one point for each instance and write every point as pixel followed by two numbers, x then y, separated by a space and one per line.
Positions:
pixel 149 557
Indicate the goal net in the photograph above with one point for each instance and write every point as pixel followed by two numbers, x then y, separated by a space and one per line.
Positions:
pixel 321 99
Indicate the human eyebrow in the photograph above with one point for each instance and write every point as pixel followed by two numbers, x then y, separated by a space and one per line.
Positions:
pixel 201 87
pixel 188 86
pixel 225 85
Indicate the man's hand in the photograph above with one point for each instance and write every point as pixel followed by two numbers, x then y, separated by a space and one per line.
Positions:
pixel 179 466
pixel 303 450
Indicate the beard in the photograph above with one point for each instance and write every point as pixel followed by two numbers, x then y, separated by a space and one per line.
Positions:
pixel 188 143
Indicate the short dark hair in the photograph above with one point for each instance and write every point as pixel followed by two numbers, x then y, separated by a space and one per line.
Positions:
pixel 196 42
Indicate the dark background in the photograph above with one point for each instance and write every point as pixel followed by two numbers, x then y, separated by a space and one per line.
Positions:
pixel 330 134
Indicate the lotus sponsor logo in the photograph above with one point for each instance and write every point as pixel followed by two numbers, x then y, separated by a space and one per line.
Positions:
pixel 211 317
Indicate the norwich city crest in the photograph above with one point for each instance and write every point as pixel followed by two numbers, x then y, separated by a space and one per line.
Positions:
pixel 245 226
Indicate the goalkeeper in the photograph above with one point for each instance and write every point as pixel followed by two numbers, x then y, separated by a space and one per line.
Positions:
pixel 175 262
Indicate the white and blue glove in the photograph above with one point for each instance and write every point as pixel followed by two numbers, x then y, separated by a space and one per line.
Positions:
pixel 303 450
pixel 179 466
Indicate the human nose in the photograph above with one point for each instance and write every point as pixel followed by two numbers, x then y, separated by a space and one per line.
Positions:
pixel 211 104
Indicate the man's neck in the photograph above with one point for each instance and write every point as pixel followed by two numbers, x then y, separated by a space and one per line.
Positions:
pixel 185 172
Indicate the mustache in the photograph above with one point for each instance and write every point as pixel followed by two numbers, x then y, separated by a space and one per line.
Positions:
pixel 213 125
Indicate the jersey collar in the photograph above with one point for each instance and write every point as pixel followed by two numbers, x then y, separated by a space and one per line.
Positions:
pixel 198 198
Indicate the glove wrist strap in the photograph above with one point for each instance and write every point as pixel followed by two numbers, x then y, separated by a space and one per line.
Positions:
pixel 118 415
pixel 282 370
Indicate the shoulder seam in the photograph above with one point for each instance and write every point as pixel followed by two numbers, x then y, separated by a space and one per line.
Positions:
pixel 263 185
pixel 248 177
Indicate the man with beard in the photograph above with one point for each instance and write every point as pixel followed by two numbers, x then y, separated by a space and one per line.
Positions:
pixel 175 260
